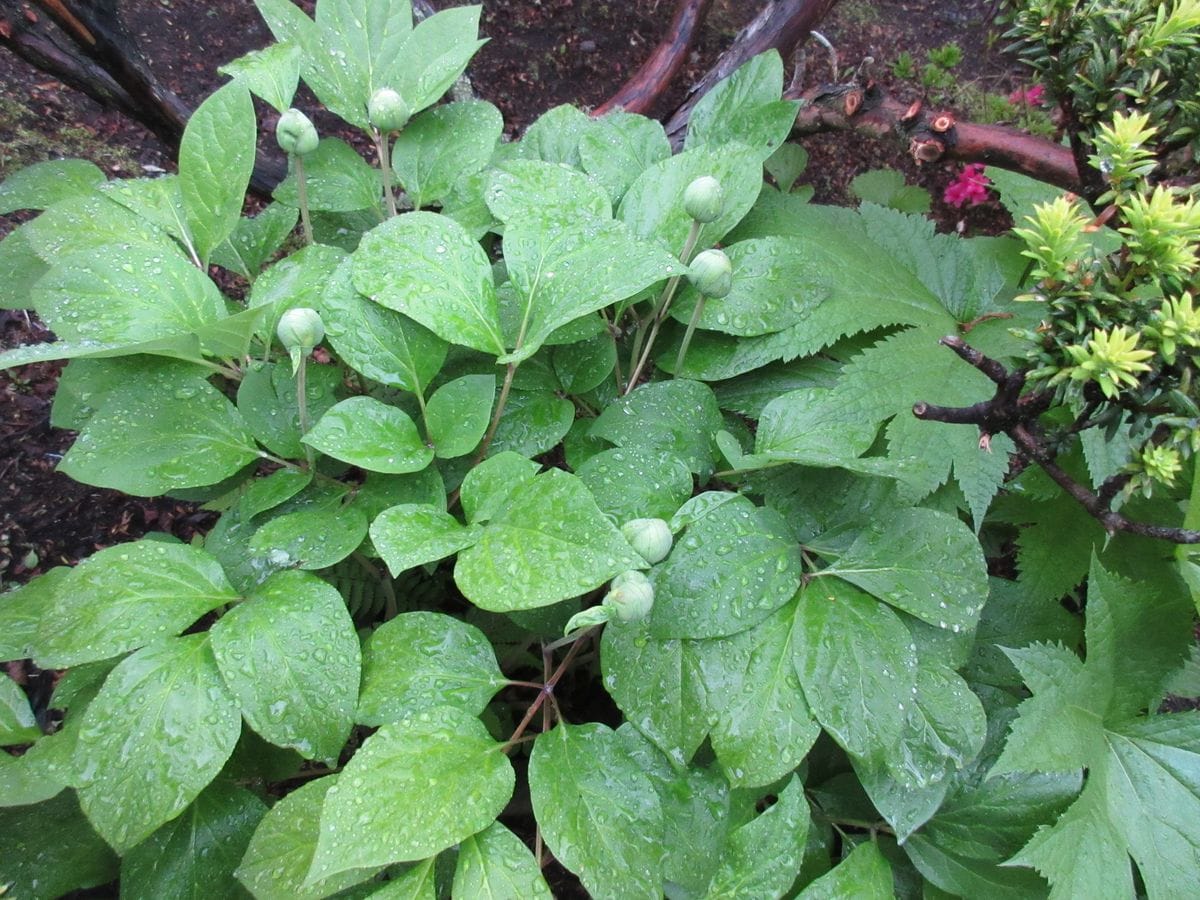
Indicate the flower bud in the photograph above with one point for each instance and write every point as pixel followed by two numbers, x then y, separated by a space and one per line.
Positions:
pixel 630 596
pixel 300 329
pixel 704 199
pixel 651 538
pixel 387 110
pixel 712 274
pixel 296 133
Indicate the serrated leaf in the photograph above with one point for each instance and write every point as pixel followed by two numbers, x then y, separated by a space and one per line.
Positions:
pixel 549 542
pixel 659 685
pixel 422 660
pixel 563 272
pixel 125 597
pixel 43 184
pixel 729 571
pixel 196 853
pixel 290 656
pixel 31 866
pixel 336 178
pixel 762 856
pixel 856 661
pixel 369 434
pixel 617 147
pixel 636 483
pixel 675 416
pixel 378 342
pixel 763 726
pixel 271 73
pixel 496 864
pixel 280 853
pixel 745 107
pixel 157 733
pixel 598 812
pixel 471 781
pixel 170 430
pixel 216 158
pixel 442 145
pixel 865 875
pixel 457 414
pixel 137 293
pixel 429 268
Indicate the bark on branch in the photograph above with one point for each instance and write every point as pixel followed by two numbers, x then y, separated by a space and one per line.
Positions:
pixel 1015 414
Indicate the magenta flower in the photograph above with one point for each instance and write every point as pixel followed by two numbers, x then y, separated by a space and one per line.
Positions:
pixel 971 186
pixel 1030 96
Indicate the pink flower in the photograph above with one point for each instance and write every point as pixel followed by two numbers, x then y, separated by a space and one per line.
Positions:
pixel 971 186
pixel 1030 96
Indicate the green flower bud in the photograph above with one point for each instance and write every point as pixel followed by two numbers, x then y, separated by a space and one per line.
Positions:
pixel 296 133
pixel 712 274
pixel 300 329
pixel 387 110
pixel 630 596
pixel 651 538
pixel 704 199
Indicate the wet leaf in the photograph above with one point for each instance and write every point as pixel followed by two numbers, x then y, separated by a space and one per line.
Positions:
pixel 442 145
pixel 495 863
pixel 458 413
pixel 369 434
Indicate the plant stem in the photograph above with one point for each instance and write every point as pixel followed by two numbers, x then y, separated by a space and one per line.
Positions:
pixel 687 335
pixel 302 405
pixel 501 401
pixel 547 690
pixel 385 168
pixel 302 193
pixel 659 315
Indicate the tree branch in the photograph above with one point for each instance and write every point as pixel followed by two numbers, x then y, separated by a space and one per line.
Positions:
pixel 866 109
pixel 1013 413
pixel 655 75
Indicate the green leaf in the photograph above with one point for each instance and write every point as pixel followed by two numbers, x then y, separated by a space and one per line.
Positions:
pixel 636 483
pixel 545 196
pixel 267 400
pixel 90 221
pixel 734 566
pixel 417 882
pixel 17 724
pixel 496 864
pixel 659 685
pixel 157 733
pixel 435 54
pixel 280 853
pixel 337 180
pixel 886 187
pixel 216 158
pixel 563 272
pixel 487 488
pixel 599 814
pixel 290 656
pixel 43 184
pixel 311 537
pixel 865 875
pixel 21 612
pixel 616 148
pixel 298 280
pixel 555 136
pixel 20 269
pixel 924 562
pixel 422 660
pixel 167 431
pixel 457 414
pixel 857 665
pixel 549 542
pixel 413 534
pixel 471 781
pixel 533 423
pixel 963 876
pixel 32 866
pixel 255 240
pixel 442 145
pixel 271 73
pixel 811 426
pixel 585 365
pixel 745 107
pixel 675 416
pixel 383 345
pixel 427 267
pixel 130 294
pixel 26 779
pixel 125 597
pixel 786 164
pixel 774 287
pixel 195 854
pixel 762 856
pixel 653 205
pixel 369 434
pixel 763 726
